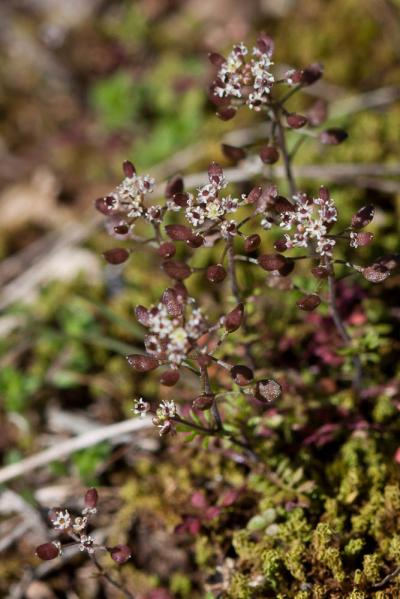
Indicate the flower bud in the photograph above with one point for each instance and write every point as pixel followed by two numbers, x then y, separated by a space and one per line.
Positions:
pixel 296 121
pixel 272 261
pixel 251 243
pixel 179 232
pixel 281 244
pixel 215 172
pixel 169 378
pixel 142 363
pixel 226 114
pixel 120 553
pixel 105 205
pixel 180 199
pixel 48 551
pixel 116 255
pixel 363 217
pixel 282 204
pixel 216 59
pixel 216 273
pixel 269 154
pixel 321 272
pixel 122 229
pixel 287 268
pixel 142 315
pixel 177 270
pixel 128 169
pixel 233 320
pixel 363 239
pixel 309 302
pixel 174 186
pixel 333 136
pixel 268 390
pixel 311 74
pixel 242 375
pixel 91 498
pixel 195 241
pixel 324 194
pixel 167 249
pixel 233 153
pixel 203 402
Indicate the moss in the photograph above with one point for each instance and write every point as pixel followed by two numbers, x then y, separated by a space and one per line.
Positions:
pixel 372 565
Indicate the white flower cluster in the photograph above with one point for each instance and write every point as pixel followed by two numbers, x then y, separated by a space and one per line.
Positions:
pixel 140 407
pixel 170 338
pixel 62 521
pixel 166 411
pixel 309 223
pixel 128 199
pixel 246 82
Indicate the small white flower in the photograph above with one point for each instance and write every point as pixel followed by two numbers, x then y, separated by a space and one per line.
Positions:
pixel 140 407
pixel 80 523
pixel 62 521
pixel 167 409
pixel 86 543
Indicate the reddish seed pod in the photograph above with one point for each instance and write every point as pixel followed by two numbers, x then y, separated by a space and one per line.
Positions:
pixel 179 232
pixel 282 204
pixel 142 363
pixel 363 217
pixel 324 194
pixel 116 255
pixel 215 172
pixel 287 268
pixel 281 244
pixel 216 59
pixel 216 273
pixel 364 238
pixel 167 250
pixel 265 44
pixel 47 551
pixel 120 553
pixel 311 74
pixel 376 273
pixel 296 121
pixel 272 262
pixel 254 195
pixel 269 154
pixel 321 272
pixel 128 169
pixel 242 375
pixel 203 402
pixel 121 229
pixel 91 498
pixel 226 114
pixel 251 243
pixel 169 378
pixel 308 303
pixel 333 136
pixel 180 199
pixel 268 390
pixel 172 303
pixel 195 241
pixel 181 291
pixel 177 270
pixel 233 153
pixel 104 205
pixel 174 186
pixel 234 319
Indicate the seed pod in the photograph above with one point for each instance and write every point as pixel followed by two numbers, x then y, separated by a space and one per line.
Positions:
pixel 167 250
pixel 282 204
pixel 254 195
pixel 174 186
pixel 234 319
pixel 309 302
pixel 272 261
pixel 333 136
pixel 105 205
pixel 142 315
pixel 172 303
pixel 242 375
pixel 195 241
pixel 180 199
pixel 233 153
pixel 321 272
pixel 216 273
pixel 128 169
pixel 216 59
pixel 122 229
pixel 226 114
pixel 364 238
pixel 363 217
pixel 251 243
pixel 91 498
pixel 169 378
pixel 376 273
pixel 311 74
pixel 47 551
pixel 116 255
pixel 142 363
pixel 177 270
pixel 268 390
pixel 120 553
pixel 203 402
pixel 181 291
pixel 287 268
pixel 281 244
pixel 296 121
pixel 269 154
pixel 324 194
pixel 179 232
pixel 265 44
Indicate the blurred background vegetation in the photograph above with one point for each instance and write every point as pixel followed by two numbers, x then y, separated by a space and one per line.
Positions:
pixel 83 86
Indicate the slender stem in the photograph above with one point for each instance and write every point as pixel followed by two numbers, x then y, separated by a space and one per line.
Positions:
pixel 111 580
pixel 284 150
pixel 232 270
pixel 208 391
pixel 387 579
